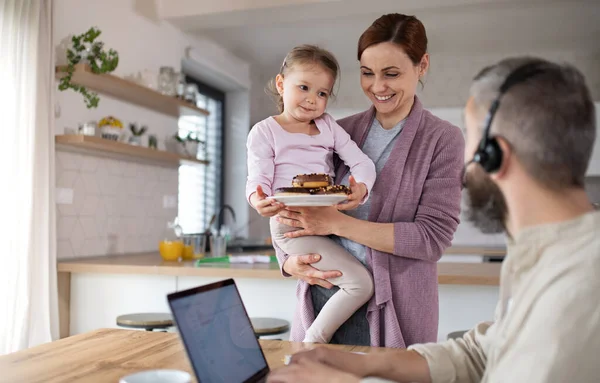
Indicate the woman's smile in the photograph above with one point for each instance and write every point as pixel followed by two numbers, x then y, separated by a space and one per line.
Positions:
pixel 384 98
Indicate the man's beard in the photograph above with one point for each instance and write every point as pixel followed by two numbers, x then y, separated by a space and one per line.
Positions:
pixel 484 203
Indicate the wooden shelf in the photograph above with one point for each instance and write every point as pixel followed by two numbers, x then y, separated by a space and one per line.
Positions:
pixel 131 92
pixel 139 152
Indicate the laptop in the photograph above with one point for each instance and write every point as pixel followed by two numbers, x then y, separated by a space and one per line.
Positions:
pixel 217 334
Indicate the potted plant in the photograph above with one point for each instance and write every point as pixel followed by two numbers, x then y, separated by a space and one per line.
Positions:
pixel 85 49
pixel 136 134
pixel 111 128
pixel 152 141
pixel 189 144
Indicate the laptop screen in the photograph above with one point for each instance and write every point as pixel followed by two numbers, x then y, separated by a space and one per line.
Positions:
pixel 217 333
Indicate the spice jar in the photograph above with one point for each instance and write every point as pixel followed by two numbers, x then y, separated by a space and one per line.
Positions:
pixel 167 81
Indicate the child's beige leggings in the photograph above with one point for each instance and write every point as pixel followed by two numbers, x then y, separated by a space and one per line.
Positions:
pixel 356 282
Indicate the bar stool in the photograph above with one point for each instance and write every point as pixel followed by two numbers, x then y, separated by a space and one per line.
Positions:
pixel 456 334
pixel 145 321
pixel 269 326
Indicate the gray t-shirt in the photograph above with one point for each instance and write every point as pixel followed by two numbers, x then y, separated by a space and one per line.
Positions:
pixel 377 147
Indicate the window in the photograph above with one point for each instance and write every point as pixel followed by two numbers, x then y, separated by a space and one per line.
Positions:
pixel 201 187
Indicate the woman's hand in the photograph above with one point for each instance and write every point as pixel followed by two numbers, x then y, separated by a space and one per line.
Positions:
pixel 358 191
pixel 299 266
pixel 311 220
pixel 265 207
pixel 311 372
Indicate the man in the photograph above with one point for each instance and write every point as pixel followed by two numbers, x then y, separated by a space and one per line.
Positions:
pixel 530 128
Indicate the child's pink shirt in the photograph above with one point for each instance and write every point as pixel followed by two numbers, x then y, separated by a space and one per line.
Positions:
pixel 276 156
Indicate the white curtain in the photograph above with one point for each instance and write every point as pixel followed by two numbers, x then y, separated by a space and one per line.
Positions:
pixel 28 290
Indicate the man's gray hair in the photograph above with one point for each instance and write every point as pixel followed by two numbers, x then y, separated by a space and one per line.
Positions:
pixel 548 119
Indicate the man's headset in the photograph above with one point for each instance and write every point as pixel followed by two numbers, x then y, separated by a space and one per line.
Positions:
pixel 489 154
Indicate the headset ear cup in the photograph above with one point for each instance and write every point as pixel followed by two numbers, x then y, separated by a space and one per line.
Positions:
pixel 493 156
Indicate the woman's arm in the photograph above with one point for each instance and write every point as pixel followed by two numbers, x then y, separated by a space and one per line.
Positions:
pixel 425 238
pixel 438 212
pixel 326 221
pixel 377 236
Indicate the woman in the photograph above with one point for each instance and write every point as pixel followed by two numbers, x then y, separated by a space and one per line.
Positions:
pixel 413 211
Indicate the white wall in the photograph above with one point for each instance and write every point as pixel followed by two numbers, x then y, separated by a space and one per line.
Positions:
pixel 118 204
pixel 238 121
pixel 186 8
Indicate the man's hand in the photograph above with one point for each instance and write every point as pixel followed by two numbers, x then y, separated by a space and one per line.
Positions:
pixel 310 372
pixel 393 364
pixel 299 266
pixel 265 207
pixel 358 191
pixel 353 363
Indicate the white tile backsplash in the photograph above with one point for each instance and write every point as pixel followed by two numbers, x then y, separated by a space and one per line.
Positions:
pixel 117 205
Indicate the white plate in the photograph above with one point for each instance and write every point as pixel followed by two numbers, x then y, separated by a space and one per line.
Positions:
pixel 309 200
pixel 158 376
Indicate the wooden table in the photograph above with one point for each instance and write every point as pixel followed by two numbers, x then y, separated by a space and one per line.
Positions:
pixel 106 355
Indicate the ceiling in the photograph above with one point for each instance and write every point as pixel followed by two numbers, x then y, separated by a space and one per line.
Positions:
pixel 458 27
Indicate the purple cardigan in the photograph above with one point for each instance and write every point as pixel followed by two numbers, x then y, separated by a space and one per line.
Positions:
pixel 419 189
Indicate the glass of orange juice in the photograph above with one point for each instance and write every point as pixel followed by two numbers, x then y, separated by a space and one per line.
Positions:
pixel 171 250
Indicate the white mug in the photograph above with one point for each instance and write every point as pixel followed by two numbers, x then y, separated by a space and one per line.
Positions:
pixel 157 376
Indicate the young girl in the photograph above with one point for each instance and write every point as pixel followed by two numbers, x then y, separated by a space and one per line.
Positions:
pixel 301 140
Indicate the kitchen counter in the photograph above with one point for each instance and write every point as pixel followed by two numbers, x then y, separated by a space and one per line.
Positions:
pixel 152 263
pixel 93 291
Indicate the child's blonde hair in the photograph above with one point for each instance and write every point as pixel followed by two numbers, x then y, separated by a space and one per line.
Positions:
pixel 302 55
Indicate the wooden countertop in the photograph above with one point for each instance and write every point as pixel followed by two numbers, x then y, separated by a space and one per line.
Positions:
pixel 152 263
pixel 106 355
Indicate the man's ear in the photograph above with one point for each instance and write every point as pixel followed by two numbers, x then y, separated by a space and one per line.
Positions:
pixel 506 158
pixel 279 84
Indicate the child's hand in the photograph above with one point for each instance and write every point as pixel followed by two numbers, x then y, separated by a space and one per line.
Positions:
pixel 265 207
pixel 358 193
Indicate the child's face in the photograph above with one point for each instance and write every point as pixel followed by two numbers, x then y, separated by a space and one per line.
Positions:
pixel 305 90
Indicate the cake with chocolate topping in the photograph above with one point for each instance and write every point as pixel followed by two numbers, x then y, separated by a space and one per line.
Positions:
pixel 313 184
pixel 314 180
pixel 327 190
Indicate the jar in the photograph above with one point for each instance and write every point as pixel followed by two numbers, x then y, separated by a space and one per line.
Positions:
pixel 180 85
pixel 191 91
pixel 148 79
pixel 88 128
pixel 167 81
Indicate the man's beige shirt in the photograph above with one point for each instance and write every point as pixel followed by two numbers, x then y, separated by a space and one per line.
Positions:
pixel 547 322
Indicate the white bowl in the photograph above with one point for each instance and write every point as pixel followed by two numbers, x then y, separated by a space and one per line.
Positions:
pixel 158 376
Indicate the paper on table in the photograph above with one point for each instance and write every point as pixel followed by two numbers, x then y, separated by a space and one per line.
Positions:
pixel 241 258
pixel 288 358
pixel 249 259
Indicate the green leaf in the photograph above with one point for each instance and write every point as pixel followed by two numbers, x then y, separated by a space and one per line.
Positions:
pixel 100 61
